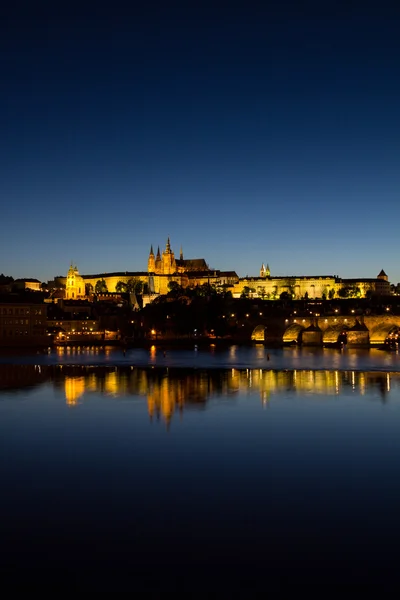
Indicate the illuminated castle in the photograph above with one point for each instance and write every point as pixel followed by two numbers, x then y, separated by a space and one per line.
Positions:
pixel 161 270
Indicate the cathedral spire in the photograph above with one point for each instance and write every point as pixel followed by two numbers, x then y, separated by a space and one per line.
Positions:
pixel 151 250
pixel 181 254
pixel 168 246
pixel 158 252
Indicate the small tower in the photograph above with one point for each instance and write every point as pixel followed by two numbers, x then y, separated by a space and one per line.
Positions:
pixel 264 271
pixel 151 264
pixel 158 262
pixel 382 275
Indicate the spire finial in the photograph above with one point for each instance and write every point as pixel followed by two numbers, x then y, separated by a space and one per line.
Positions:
pixel 181 254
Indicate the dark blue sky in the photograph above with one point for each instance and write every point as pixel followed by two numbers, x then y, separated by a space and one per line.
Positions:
pixel 246 134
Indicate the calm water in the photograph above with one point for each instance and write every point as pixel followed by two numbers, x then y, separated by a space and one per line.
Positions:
pixel 144 471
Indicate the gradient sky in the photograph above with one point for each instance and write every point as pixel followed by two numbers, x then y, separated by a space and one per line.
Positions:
pixel 246 134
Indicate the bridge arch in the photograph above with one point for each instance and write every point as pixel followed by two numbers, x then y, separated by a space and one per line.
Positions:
pixel 258 334
pixel 382 333
pixel 292 334
pixel 335 334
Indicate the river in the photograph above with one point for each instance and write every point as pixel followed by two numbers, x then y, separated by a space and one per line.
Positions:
pixel 176 470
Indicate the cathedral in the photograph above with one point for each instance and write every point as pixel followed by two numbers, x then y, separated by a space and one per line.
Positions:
pixel 167 264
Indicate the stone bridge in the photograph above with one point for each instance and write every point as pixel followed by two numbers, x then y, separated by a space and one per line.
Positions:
pixel 359 330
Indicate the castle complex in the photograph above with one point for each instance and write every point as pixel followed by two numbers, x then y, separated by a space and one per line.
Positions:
pixel 163 268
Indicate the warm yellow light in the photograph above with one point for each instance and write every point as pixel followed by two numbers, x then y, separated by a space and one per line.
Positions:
pixel 153 331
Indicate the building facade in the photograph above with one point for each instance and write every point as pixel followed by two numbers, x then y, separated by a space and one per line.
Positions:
pixel 22 323
pixel 319 286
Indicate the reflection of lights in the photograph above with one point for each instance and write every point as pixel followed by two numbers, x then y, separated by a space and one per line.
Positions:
pixel 74 388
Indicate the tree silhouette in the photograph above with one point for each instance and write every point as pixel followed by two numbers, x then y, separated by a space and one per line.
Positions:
pixel 100 286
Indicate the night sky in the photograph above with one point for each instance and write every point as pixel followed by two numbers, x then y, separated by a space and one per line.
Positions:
pixel 247 134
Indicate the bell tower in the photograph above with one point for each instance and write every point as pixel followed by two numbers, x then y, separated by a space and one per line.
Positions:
pixel 168 260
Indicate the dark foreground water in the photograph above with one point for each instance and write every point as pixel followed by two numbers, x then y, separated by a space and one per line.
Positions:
pixel 143 472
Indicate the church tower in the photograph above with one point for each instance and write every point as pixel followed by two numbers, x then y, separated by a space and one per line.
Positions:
pixel 151 263
pixel 158 266
pixel 168 260
pixel 264 271
pixel 75 285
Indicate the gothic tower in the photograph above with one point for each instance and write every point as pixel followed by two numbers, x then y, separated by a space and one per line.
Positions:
pixel 151 264
pixel 168 260
pixel 158 266
pixel 264 271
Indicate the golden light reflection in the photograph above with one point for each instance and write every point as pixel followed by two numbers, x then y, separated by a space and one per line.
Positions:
pixel 74 389
pixel 168 392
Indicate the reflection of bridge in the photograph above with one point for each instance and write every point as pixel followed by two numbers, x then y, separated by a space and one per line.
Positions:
pixel 319 331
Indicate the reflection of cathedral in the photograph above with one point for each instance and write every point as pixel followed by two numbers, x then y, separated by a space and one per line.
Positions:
pixel 169 394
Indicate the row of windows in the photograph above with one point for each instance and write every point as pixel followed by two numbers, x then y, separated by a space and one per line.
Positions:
pixel 14 333
pixel 15 322
pixel 21 311
pixel 84 324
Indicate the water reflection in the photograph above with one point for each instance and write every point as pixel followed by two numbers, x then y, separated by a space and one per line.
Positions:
pixel 168 391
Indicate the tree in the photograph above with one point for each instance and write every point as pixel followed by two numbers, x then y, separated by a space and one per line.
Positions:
pixel 134 286
pixel 120 287
pixel 350 291
pixel 261 292
pixel 331 294
pixel 100 287
pixel 88 289
pixel 343 292
pixel 247 291
pixel 306 296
